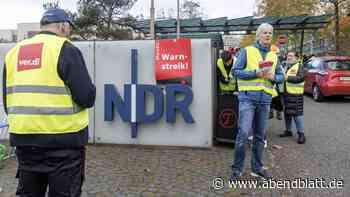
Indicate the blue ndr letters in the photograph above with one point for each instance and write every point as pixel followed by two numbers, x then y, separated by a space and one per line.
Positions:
pixel 113 101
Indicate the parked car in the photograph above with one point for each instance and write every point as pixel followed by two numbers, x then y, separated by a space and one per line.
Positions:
pixel 327 76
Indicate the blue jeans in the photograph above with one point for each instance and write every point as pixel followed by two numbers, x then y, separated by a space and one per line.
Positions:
pixel 252 115
pixel 298 120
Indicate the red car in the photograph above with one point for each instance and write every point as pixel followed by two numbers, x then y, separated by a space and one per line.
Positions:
pixel 327 76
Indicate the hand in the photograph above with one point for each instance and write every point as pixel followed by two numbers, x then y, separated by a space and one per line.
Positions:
pixel 260 73
pixel 285 77
pixel 270 76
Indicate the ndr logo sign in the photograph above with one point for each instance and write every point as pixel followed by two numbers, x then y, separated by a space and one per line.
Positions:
pixel 132 108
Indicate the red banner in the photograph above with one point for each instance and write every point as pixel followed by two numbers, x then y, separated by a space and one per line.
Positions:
pixel 173 61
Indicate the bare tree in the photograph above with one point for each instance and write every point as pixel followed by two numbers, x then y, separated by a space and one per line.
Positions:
pixel 191 9
pixel 161 14
pixel 51 4
pixel 171 13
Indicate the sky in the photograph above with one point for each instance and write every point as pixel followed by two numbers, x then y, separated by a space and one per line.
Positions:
pixel 24 11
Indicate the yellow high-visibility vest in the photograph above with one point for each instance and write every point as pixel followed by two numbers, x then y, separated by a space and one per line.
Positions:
pixel 253 59
pixel 38 102
pixel 231 85
pixel 294 88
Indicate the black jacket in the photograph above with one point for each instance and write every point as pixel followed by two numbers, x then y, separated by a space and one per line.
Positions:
pixel 294 104
pixel 72 70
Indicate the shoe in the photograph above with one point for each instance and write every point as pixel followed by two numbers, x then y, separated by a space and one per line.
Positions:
pixel 286 133
pixel 301 138
pixel 271 114
pixel 265 143
pixel 279 115
pixel 264 174
pixel 235 176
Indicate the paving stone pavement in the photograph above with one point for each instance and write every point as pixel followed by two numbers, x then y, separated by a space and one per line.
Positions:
pixel 152 171
pixel 122 170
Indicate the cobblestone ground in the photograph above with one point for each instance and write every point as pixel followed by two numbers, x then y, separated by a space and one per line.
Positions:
pixel 120 170
pixel 158 171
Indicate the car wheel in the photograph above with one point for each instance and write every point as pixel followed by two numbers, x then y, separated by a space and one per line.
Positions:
pixel 317 94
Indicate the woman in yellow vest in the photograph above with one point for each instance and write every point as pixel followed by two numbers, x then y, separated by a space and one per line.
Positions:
pixel 293 97
pixel 257 70
pixel 227 83
pixel 47 94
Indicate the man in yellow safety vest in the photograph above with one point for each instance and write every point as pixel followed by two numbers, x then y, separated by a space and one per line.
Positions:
pixel 47 91
pixel 257 70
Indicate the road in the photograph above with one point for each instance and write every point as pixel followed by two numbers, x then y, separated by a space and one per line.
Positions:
pixel 326 153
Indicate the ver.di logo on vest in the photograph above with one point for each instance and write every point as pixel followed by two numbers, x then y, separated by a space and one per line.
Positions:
pixel 132 108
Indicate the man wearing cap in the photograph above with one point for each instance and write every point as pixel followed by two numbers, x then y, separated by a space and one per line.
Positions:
pixel 46 92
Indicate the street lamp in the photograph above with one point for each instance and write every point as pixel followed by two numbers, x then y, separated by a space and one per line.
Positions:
pixel 178 20
pixel 152 22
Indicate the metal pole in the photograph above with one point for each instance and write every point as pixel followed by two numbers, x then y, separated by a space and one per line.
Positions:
pixel 152 28
pixel 178 20
pixel 312 42
pixel 301 43
pixel 336 5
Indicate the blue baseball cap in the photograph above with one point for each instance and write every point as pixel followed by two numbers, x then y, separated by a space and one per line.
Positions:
pixel 55 15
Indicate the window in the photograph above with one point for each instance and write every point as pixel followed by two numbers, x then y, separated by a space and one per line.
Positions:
pixel 308 65
pixel 316 64
pixel 338 65
pixel 313 64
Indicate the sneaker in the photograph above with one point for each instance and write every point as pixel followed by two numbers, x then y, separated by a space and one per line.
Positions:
pixel 235 176
pixel 265 143
pixel 264 174
pixel 286 133
pixel 271 114
pixel 301 138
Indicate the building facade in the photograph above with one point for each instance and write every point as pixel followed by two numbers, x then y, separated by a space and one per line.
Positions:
pixel 8 35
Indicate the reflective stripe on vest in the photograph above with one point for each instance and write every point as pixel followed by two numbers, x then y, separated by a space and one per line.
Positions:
pixel 43 110
pixel 38 102
pixel 255 84
pixel 294 88
pixel 37 89
pixel 253 59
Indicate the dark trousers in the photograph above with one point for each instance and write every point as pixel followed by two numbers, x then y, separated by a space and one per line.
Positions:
pixel 59 170
pixel 277 103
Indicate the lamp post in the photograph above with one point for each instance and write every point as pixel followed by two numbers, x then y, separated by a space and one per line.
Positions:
pixel 152 22
pixel 178 20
